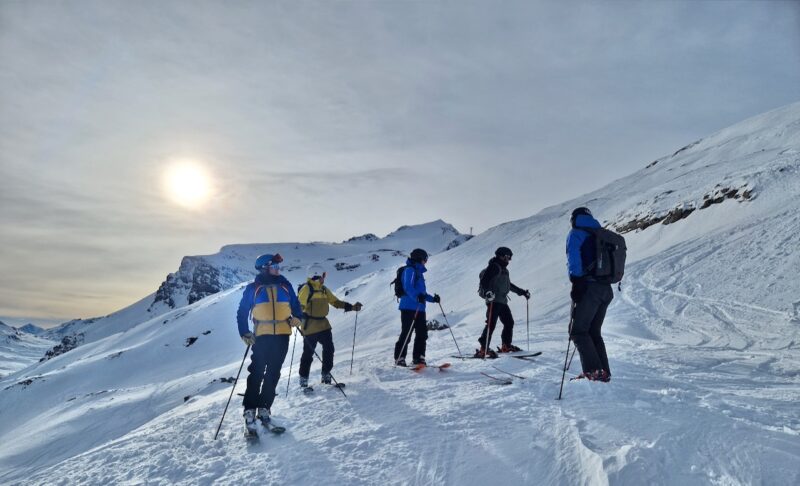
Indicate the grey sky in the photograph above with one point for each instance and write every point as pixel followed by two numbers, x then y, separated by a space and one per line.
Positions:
pixel 375 114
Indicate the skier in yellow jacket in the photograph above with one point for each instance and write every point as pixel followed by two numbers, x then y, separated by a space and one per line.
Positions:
pixel 315 299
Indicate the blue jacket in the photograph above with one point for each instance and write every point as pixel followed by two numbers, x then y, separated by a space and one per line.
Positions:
pixel 580 246
pixel 248 299
pixel 414 285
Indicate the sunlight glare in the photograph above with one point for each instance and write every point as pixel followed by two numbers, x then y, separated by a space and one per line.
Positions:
pixel 187 183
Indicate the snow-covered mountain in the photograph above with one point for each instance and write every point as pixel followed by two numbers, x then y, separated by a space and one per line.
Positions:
pixel 31 328
pixel 201 276
pixel 19 349
pixel 702 342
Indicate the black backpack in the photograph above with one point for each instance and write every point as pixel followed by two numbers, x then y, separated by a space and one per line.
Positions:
pixel 399 291
pixel 609 262
pixel 481 290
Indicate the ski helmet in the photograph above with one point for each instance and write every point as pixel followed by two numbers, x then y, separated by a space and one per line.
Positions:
pixel 503 251
pixel 578 212
pixel 267 259
pixel 419 255
pixel 316 272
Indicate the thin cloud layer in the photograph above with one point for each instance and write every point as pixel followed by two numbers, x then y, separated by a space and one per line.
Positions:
pixel 361 106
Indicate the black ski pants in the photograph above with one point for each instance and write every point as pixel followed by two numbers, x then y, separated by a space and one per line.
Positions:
pixel 587 320
pixel 325 338
pixel 420 328
pixel 266 361
pixel 494 311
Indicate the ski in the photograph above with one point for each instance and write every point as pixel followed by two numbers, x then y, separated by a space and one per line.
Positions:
pixel 420 367
pixel 336 385
pixel 307 389
pixel 275 429
pixel 518 356
pixel 499 381
pixel 506 372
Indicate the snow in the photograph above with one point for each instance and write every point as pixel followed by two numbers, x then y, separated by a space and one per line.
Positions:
pixel 702 339
pixel 19 349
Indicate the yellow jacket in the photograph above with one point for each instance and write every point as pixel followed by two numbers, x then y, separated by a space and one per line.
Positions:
pixel 316 308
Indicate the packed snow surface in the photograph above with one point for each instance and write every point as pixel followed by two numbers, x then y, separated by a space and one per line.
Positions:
pixel 702 338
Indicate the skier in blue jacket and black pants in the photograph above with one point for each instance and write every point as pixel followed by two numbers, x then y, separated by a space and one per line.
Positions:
pixel 590 298
pixel 412 309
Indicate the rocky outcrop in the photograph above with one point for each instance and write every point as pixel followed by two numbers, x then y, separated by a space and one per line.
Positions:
pixel 68 343
pixel 195 280
pixel 366 237
pixel 683 210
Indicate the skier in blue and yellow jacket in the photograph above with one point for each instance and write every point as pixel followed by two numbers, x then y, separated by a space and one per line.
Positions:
pixel 412 309
pixel 272 306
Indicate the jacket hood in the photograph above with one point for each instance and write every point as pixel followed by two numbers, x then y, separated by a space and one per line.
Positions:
pixel 499 261
pixel 419 266
pixel 586 221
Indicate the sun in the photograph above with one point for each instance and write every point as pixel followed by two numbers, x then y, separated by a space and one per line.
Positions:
pixel 187 183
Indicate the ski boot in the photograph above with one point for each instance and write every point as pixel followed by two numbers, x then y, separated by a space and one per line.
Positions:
pixel 250 427
pixel 401 362
pixel 596 375
pixel 485 353
pixel 263 416
pixel 303 382
pixel 508 348
pixel 419 361
pixel 326 378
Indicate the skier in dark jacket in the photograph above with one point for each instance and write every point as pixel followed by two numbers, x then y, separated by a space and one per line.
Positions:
pixel 496 283
pixel 273 306
pixel 590 298
pixel 412 309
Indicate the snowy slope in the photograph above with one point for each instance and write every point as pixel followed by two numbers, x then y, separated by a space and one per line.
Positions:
pixel 19 349
pixel 702 339
pixel 200 276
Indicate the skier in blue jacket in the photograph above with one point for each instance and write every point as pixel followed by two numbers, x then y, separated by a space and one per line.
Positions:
pixel 590 298
pixel 412 309
pixel 270 302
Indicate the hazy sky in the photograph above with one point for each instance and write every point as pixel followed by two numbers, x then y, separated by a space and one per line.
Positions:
pixel 324 120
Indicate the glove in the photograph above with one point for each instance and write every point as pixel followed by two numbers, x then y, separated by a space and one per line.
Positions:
pixel 421 298
pixel 357 306
pixel 436 298
pixel 295 322
pixel 579 286
pixel 527 294
pixel 248 338
pixel 348 307
pixel 489 296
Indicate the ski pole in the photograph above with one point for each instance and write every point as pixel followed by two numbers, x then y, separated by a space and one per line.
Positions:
pixel 232 390
pixel 451 331
pixel 528 320
pixel 291 361
pixel 570 358
pixel 320 360
pixel 569 341
pixel 353 352
pixel 408 335
pixel 488 330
